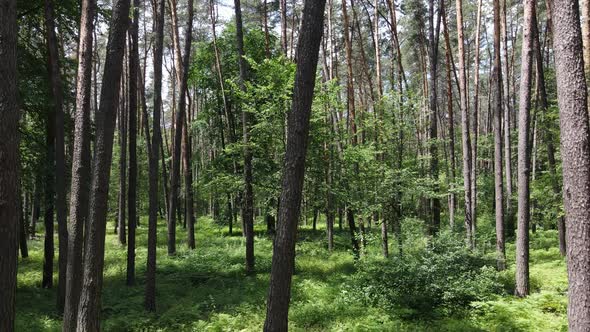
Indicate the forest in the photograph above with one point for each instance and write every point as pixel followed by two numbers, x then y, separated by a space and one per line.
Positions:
pixel 303 165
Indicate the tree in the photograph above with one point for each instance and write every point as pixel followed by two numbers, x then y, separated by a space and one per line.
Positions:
pixel 283 259
pixel 524 152
pixel 466 137
pixel 89 307
pixel 575 152
pixel 150 284
pixel 133 105
pixel 248 195
pixel 9 164
pixel 79 191
pixel 498 174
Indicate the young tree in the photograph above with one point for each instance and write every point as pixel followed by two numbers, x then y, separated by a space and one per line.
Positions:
pixel 156 141
pixel 283 259
pixel 79 191
pixel 575 152
pixel 9 164
pixel 89 307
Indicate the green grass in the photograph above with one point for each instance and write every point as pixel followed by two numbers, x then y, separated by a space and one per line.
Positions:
pixel 207 289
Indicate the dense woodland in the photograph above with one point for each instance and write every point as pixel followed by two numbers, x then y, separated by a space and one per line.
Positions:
pixel 346 165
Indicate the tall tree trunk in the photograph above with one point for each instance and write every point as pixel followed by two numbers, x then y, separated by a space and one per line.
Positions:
pixel 89 308
pixel 248 197
pixel 60 167
pixel 186 141
pixel 9 164
pixel 80 187
pixel 150 284
pixel 283 260
pixel 433 34
pixel 510 227
pixel 283 13
pixel 475 121
pixel 466 139
pixel 575 147
pixel 449 70
pixel 498 175
pixel 524 152
pixel 122 215
pixel 133 105
pixel 179 124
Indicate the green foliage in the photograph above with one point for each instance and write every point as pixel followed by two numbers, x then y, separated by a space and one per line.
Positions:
pixel 442 278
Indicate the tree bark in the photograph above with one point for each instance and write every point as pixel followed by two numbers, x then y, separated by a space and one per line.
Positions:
pixel 89 308
pixel 150 285
pixel 9 164
pixel 283 260
pixel 466 138
pixel 575 152
pixel 79 192
pixel 248 197
pixel 132 123
pixel 524 152
pixel 498 174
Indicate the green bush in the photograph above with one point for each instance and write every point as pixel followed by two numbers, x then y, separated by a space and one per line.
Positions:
pixel 443 278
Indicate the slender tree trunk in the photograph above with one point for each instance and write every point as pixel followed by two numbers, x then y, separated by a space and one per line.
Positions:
pixel 150 286
pixel 133 106
pixel 80 187
pixel 475 121
pixel 466 140
pixel 89 308
pixel 248 197
pixel 498 175
pixel 433 34
pixel 122 215
pixel 510 227
pixel 524 152
pixel 283 261
pixel 9 164
pixel 575 147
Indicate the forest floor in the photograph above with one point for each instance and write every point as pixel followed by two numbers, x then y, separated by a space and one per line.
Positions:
pixel 207 289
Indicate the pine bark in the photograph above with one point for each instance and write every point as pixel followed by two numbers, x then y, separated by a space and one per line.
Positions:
pixel 248 195
pixel 524 152
pixel 156 141
pixel 283 260
pixel 9 164
pixel 89 308
pixel 466 137
pixel 132 123
pixel 498 174
pixel 575 151
pixel 79 192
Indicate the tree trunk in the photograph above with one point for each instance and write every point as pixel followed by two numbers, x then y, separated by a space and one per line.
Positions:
pixel 510 228
pixel 122 215
pixel 80 187
pixel 475 121
pixel 89 308
pixel 433 33
pixel 524 152
pixel 248 198
pixel 575 147
pixel 283 260
pixel 133 105
pixel 466 138
pixel 498 175
pixel 150 285
pixel 9 164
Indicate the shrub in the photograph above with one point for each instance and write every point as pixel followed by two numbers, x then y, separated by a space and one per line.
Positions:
pixel 442 278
